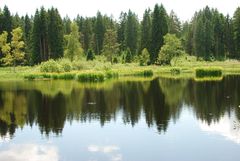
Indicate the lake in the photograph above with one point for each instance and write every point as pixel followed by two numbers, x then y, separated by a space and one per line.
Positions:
pixel 121 120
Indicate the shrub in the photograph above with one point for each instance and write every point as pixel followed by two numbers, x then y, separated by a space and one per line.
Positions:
pixel 111 74
pixel 143 73
pixel 175 71
pixel 208 72
pixel 90 55
pixel 50 66
pixel 66 65
pixel 144 57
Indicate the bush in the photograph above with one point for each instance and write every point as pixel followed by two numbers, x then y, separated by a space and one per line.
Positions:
pixel 111 74
pixel 67 76
pixel 143 73
pixel 175 71
pixel 50 66
pixel 144 57
pixel 208 72
pixel 66 65
pixel 90 55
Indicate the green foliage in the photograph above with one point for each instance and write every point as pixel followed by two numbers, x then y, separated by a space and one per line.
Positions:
pixel 144 58
pixel 13 52
pixel 172 48
pixel 208 72
pixel 131 32
pixel 143 73
pixel 159 30
pixel 236 30
pixel 175 71
pixel 90 55
pixel 51 66
pixel 127 56
pixel 146 29
pixel 111 74
pixel 90 77
pixel 110 45
pixel 74 50
pixel 66 64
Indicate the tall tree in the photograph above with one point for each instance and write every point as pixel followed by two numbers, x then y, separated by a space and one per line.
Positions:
pixel 13 52
pixel 27 29
pixel 110 45
pixel 146 26
pixel 99 31
pixel 35 39
pixel 229 37
pixel 121 31
pixel 55 34
pixel 131 32
pixel 6 24
pixel 87 32
pixel 159 30
pixel 174 25
pixel 236 27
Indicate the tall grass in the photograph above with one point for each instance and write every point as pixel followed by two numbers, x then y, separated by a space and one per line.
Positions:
pixel 202 72
pixel 91 77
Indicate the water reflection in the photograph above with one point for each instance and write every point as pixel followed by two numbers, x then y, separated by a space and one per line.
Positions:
pixel 49 104
pixel 23 152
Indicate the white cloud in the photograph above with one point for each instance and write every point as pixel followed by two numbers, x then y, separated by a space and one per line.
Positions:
pixel 103 149
pixel 227 127
pixel 111 151
pixel 29 152
pixel 184 8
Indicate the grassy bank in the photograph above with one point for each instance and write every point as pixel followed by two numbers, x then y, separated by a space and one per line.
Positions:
pixel 100 71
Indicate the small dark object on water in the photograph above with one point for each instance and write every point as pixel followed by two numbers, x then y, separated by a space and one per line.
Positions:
pixel 91 103
pixel 228 97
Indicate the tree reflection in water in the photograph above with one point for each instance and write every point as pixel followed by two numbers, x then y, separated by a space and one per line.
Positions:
pixel 50 104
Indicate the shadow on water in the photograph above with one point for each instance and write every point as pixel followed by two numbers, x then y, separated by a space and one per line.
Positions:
pixel 49 104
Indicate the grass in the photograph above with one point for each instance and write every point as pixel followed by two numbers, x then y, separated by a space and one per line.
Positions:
pixel 92 69
pixel 202 72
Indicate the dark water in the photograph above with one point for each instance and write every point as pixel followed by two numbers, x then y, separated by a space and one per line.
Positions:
pixel 162 119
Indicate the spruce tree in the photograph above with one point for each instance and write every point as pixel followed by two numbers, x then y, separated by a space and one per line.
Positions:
pixel 99 32
pixel 55 34
pixel 146 26
pixel 236 27
pixel 159 30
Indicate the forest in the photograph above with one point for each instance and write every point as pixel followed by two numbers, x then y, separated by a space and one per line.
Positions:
pixel 156 39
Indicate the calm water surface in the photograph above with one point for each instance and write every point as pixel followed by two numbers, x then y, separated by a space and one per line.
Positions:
pixel 162 119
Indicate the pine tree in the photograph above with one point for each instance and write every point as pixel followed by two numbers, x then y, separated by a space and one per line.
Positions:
pixel 121 31
pixel 159 30
pixel 6 22
pixel 99 32
pixel 87 32
pixel 229 37
pixel 55 34
pixel 146 27
pixel 131 32
pixel 236 27
pixel 27 28
pixel 35 39
pixel 110 45
pixel 174 25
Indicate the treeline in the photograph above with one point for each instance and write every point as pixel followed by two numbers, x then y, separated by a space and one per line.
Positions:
pixel 209 35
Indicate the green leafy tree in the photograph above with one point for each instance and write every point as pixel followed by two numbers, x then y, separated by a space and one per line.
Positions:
pixel 14 52
pixel 5 46
pixel 74 50
pixel 172 48
pixel 144 57
pixel 110 45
